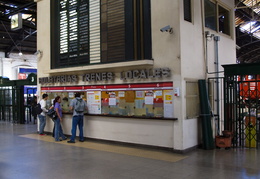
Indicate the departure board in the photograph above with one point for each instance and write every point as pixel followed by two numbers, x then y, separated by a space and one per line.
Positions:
pixel 74 29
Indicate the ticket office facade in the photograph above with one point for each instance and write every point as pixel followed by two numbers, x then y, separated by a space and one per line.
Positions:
pixel 118 111
pixel 132 75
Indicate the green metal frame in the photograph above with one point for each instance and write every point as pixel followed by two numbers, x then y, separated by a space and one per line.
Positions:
pixel 242 113
pixel 15 111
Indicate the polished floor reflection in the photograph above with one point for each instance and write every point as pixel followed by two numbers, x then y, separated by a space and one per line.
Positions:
pixel 26 155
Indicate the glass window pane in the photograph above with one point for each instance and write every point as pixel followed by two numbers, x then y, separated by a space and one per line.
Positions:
pixel 192 100
pixel 224 22
pixel 210 15
pixel 187 10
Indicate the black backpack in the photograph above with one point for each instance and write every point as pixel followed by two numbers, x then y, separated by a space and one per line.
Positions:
pixel 52 113
pixel 38 109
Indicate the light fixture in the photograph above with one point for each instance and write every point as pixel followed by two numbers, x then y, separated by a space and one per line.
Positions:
pixel 20 53
pixel 38 52
pixel 209 36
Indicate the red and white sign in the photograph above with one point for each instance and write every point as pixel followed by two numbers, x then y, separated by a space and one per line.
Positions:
pixel 21 76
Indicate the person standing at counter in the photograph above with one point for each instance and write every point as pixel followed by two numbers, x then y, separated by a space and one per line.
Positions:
pixel 78 106
pixel 42 116
pixel 65 106
pixel 58 129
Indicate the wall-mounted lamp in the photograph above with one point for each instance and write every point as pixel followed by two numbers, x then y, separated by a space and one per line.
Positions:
pixel 167 28
pixel 38 52
pixel 208 35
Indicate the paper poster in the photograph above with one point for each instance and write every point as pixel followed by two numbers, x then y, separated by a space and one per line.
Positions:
pixel 130 96
pixel 139 104
pixel 112 94
pixel 71 95
pixel 97 97
pixel 148 97
pixel 158 93
pixel 94 102
pixel 168 97
pixel 168 104
pixel 121 94
pixel 112 101
pixel 139 94
pixel 148 100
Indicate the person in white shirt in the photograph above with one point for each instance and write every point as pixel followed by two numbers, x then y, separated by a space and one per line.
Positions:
pixel 42 116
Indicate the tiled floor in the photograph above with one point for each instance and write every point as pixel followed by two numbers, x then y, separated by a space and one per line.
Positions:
pixel 26 155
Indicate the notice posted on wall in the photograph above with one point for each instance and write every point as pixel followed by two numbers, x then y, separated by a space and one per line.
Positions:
pixel 94 102
pixel 112 101
pixel 168 104
pixel 149 97
pixel 121 94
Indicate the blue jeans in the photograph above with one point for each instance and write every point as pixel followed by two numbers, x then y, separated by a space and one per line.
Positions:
pixel 58 130
pixel 77 120
pixel 42 123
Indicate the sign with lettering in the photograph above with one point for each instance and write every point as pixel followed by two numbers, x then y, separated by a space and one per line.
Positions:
pixel 98 76
pixel 142 74
pixel 108 76
pixel 59 79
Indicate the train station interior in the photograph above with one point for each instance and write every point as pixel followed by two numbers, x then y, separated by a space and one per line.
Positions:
pixel 172 88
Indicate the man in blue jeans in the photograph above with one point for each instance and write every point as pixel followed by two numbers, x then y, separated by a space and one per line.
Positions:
pixel 42 116
pixel 78 106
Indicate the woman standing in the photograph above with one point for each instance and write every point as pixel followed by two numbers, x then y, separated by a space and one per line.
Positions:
pixel 58 120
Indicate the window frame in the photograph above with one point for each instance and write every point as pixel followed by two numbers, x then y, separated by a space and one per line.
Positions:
pixel 190 11
pixel 217 5
pixel 229 19
pixel 192 111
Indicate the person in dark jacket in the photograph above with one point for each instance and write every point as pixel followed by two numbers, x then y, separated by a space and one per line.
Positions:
pixel 33 104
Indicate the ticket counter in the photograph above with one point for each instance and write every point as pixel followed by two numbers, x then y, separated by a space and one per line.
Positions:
pixel 151 100
pixel 131 113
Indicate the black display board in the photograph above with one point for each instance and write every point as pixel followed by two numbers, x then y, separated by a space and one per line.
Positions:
pixel 71 32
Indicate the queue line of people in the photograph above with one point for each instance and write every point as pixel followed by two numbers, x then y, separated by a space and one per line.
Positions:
pixel 77 119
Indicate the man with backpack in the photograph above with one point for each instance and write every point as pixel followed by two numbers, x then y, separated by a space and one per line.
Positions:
pixel 78 106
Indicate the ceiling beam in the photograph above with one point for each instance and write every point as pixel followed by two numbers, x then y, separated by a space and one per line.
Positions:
pixel 21 8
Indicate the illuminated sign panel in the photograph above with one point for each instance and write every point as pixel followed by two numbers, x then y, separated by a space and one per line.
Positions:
pixel 16 21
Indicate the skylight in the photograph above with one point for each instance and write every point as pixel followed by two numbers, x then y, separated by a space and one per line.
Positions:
pixel 253 26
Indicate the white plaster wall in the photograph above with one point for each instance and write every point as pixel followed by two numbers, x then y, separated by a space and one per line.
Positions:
pixel 43 36
pixel 139 131
pixel 193 62
pixel 166 51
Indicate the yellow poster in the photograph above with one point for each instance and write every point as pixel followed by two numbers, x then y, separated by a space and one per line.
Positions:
pixel 94 102
pixel 168 103
pixel 168 97
pixel 96 97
